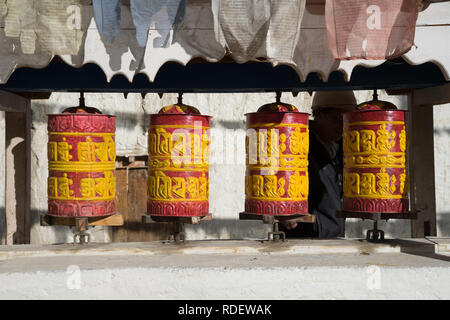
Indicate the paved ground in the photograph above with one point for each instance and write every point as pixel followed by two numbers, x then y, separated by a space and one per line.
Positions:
pixel 306 269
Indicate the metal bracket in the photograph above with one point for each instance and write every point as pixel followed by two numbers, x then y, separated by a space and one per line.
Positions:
pixel 81 225
pixel 276 234
pixel 375 234
pixel 83 236
pixel 179 236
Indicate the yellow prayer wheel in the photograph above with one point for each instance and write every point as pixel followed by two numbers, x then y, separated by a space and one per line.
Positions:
pixel 81 161
pixel 375 144
pixel 277 147
pixel 178 179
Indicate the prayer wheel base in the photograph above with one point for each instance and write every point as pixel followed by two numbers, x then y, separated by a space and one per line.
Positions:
pixel 305 218
pixel 115 220
pixel 165 219
pixel 377 216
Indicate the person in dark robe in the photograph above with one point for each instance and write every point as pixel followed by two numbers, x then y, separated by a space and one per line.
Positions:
pixel 325 167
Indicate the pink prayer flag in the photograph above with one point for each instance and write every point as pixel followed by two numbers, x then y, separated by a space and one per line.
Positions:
pixel 371 29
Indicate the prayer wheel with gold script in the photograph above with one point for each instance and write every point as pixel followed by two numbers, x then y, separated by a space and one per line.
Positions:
pixel 178 176
pixel 277 146
pixel 375 143
pixel 81 161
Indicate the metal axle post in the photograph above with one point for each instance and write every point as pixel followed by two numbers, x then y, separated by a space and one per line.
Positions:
pixel 276 234
pixel 81 225
pixel 179 235
pixel 375 234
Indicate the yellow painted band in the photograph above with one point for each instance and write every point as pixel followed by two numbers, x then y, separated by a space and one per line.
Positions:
pixel 276 199
pixel 400 166
pixel 179 169
pixel 399 196
pixel 94 134
pixel 295 156
pixel 77 166
pixel 355 154
pixel 178 200
pixel 279 125
pixel 83 199
pixel 373 123
pixel 175 157
pixel 294 169
pixel 178 126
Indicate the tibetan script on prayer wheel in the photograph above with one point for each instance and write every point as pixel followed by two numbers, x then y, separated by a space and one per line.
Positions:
pixel 277 146
pixel 81 162
pixel 178 176
pixel 374 142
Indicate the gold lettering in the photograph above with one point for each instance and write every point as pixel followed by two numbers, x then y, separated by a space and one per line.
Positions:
pixel 298 186
pixel 64 184
pixel 384 142
pixel 258 186
pixel 403 189
pixel 351 141
pixel 86 151
pixel 52 151
pixel 63 151
pixel 101 151
pixel 402 138
pixel 152 186
pixel 179 146
pixel 196 141
pixel 367 141
pixel 179 189
pixel 367 184
pixel 383 182
pixel 193 187
pixel 111 145
pixel 163 185
pixel 299 142
pixel 203 187
pixel 87 186
pixel 164 144
pixel 270 186
pixel 52 187
pixel 281 184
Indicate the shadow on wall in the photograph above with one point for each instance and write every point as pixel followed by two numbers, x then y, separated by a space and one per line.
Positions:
pixel 357 228
pixel 227 229
pixel 443 224
pixel 230 125
pixel 55 234
pixel 19 152
pixel 442 131
pixel 2 225
pixel 121 117
pixel 234 229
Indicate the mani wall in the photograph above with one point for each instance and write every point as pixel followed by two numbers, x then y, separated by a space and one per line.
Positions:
pixel 227 159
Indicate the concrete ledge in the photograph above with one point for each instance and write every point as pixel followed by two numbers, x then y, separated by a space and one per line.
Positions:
pixel 303 269
pixel 257 247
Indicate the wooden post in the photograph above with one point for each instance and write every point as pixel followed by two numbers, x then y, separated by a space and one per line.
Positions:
pixel 421 160
pixel 2 179
pixel 18 167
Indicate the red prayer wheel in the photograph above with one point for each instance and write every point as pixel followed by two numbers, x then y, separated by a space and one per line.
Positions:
pixel 178 177
pixel 374 141
pixel 81 162
pixel 277 146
